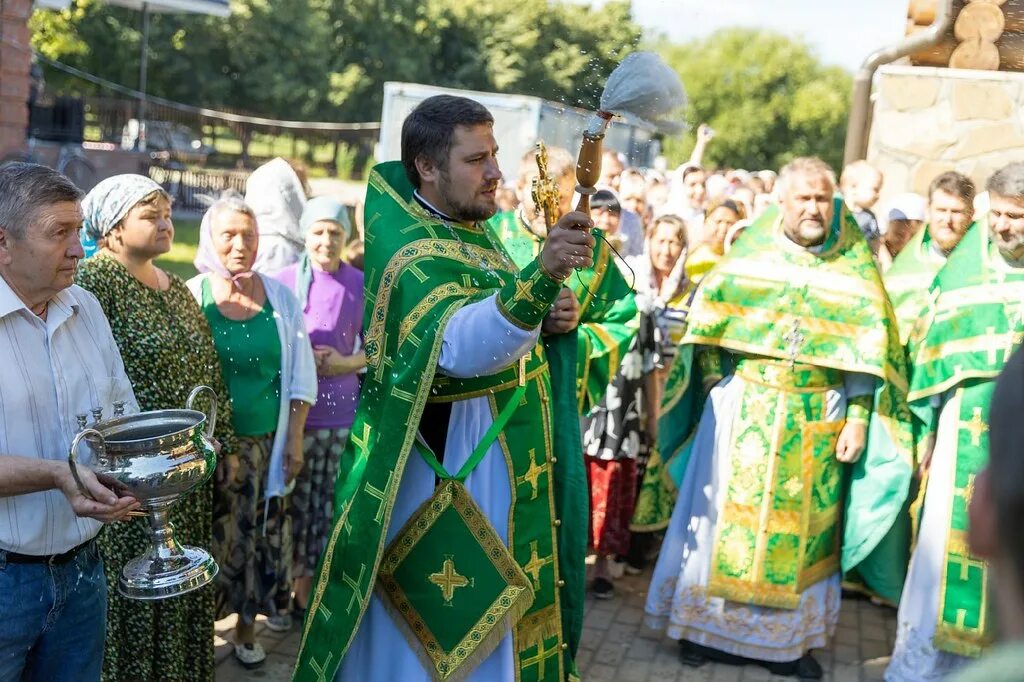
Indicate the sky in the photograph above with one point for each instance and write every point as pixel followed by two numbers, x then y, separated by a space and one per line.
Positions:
pixel 843 32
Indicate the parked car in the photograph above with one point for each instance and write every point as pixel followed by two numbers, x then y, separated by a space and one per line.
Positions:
pixel 168 142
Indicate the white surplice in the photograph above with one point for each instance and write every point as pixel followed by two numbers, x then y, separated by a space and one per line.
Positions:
pixel 478 341
pixel 915 657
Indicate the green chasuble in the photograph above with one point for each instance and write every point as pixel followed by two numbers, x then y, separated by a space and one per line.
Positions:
pixel 794 322
pixel 608 314
pixel 419 273
pixel 578 360
pixel 909 279
pixel 974 321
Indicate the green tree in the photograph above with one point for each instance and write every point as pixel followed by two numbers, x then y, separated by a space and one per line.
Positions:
pixel 329 59
pixel 768 98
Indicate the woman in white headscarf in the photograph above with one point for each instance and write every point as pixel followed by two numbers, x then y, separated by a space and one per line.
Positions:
pixel 277 195
pixel 168 349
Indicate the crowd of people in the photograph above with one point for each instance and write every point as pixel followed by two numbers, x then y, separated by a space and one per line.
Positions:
pixel 431 415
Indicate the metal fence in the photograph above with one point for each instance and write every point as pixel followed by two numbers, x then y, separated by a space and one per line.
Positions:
pixel 192 189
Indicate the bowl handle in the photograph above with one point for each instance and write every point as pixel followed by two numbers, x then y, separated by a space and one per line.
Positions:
pixel 73 457
pixel 211 418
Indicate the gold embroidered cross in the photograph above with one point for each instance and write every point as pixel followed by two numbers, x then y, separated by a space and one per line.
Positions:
pixel 321 670
pixel 448 579
pixel 538 660
pixel 794 340
pixel 990 332
pixel 967 491
pixel 385 362
pixel 524 291
pixel 536 563
pixel 380 495
pixel 533 474
pixel 966 564
pixel 346 526
pixel 976 427
pixel 362 443
pixel 354 584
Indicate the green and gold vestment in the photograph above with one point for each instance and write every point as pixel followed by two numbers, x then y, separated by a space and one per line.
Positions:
pixel 419 273
pixel 974 321
pixel 910 278
pixel 794 323
pixel 608 312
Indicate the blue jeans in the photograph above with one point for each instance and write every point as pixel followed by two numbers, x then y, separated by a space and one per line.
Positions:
pixel 53 619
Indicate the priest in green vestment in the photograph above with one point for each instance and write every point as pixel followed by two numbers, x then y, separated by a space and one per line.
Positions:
pixel 974 321
pixel 996 509
pixel 480 577
pixel 801 462
pixel 608 322
pixel 950 212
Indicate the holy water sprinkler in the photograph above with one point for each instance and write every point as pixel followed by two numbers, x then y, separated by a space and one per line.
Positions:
pixel 642 87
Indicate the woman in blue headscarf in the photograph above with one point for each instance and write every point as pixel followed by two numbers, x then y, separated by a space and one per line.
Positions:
pixel 330 293
pixel 167 349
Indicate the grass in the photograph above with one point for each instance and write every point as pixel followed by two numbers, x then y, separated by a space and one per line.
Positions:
pixel 179 259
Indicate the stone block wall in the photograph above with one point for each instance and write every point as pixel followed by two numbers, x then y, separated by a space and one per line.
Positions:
pixel 931 120
pixel 15 62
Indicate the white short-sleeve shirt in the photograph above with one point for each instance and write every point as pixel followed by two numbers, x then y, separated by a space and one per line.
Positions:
pixel 51 371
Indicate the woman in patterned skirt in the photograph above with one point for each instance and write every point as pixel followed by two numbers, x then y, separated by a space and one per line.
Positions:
pixel 270 373
pixel 330 294
pixel 167 350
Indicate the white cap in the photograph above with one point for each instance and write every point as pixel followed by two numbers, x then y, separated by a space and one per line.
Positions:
pixel 908 207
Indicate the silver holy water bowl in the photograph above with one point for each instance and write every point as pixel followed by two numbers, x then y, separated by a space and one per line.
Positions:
pixel 156 457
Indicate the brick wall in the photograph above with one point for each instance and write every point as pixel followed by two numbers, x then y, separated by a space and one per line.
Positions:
pixel 15 61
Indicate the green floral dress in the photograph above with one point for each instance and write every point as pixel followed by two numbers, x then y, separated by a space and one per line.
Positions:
pixel 167 349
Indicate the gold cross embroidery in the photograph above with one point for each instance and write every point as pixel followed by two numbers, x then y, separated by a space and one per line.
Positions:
pixel 380 495
pixel 976 427
pixel 524 291
pixel 794 340
pixel 966 564
pixel 385 362
pixel 321 671
pixel 418 273
pixel 538 660
pixel 448 579
pixel 362 443
pixel 357 597
pixel 536 563
pixel 990 332
pixel 346 526
pixel 533 474
pixel 967 492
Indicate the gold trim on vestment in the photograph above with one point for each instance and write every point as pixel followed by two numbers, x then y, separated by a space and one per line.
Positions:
pixel 900 383
pixel 410 434
pixel 485 630
pixel 424 306
pixel 982 343
pixel 422 248
pixel 511 383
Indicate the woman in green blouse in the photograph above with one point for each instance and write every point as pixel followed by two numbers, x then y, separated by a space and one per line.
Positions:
pixel 270 373
pixel 167 349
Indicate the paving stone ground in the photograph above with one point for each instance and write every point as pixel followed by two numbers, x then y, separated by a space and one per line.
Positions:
pixel 617 647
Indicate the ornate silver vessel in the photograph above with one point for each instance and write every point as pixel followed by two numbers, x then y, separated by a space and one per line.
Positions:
pixel 156 457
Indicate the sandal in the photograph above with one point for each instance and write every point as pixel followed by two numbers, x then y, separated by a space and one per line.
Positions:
pixel 250 656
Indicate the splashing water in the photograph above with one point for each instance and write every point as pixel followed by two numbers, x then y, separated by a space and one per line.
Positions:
pixel 642 86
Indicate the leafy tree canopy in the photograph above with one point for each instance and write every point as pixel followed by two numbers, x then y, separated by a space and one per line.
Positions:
pixel 329 59
pixel 768 98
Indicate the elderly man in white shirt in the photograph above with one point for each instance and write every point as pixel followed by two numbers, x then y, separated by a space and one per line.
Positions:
pixel 58 359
